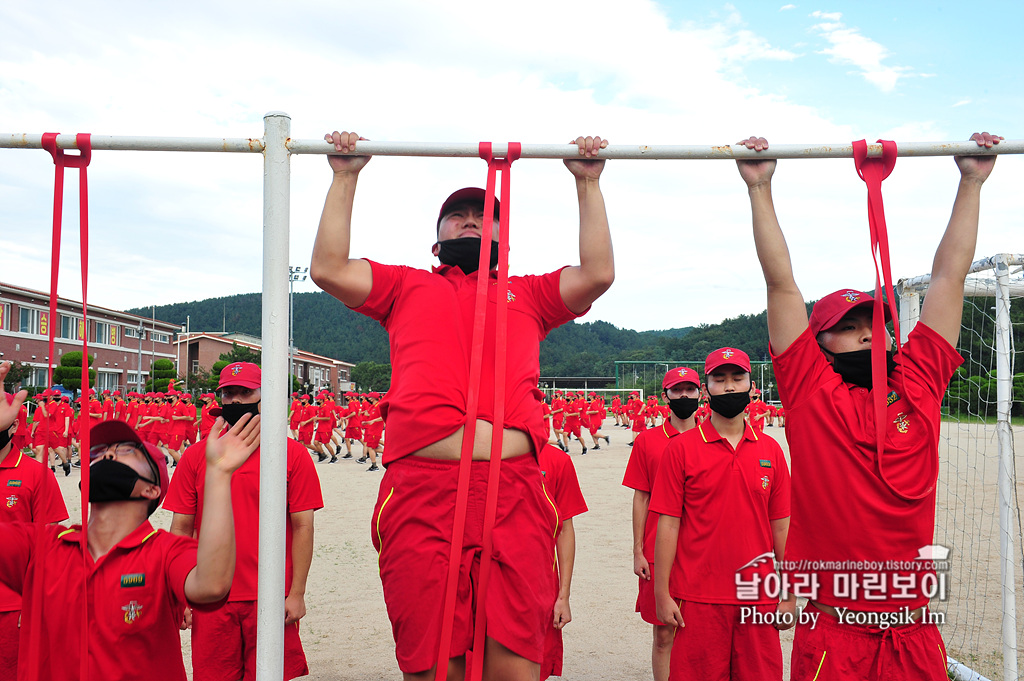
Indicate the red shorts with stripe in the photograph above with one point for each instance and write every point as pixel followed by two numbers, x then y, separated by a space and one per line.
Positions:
pixel 573 428
pixel 306 436
pixel 411 530
pixel 9 645
pixel 174 440
pixel 837 650
pixel 372 440
pixel 718 644
pixel 58 440
pixel 224 644
pixel 595 424
pixel 558 420
pixel 645 602
pixel 323 435
pixel 354 433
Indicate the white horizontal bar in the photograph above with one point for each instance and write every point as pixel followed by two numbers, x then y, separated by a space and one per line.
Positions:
pixel 921 281
pixel 116 143
pixel 471 149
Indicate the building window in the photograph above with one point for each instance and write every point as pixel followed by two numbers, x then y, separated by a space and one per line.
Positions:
pixel 28 321
pixel 37 379
pixel 195 366
pixel 160 337
pixel 131 332
pixel 107 381
pixel 70 327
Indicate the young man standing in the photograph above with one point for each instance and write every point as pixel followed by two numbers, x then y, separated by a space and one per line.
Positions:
pixel 426 316
pixel 139 578
pixel 224 638
pixel 681 388
pixel 823 370
pixel 28 493
pixel 723 495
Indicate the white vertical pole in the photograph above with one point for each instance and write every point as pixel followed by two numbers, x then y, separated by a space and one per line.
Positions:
pixel 274 406
pixel 1007 515
pixel 910 310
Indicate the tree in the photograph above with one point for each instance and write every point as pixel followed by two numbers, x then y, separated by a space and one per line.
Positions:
pixel 161 374
pixel 240 354
pixel 69 372
pixel 371 376
pixel 16 374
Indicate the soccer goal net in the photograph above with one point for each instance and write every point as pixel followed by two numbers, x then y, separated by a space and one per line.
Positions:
pixel 977 509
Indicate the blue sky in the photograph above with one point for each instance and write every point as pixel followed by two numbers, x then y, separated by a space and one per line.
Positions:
pixel 173 227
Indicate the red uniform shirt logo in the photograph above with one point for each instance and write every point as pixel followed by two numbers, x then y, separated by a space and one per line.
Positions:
pixel 236 370
pixel 851 296
pixel 764 482
pixel 131 611
pixel 12 501
pixel 902 423
pixel 727 354
pixel 511 297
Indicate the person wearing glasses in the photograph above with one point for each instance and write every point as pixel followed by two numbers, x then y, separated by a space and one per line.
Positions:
pixel 138 579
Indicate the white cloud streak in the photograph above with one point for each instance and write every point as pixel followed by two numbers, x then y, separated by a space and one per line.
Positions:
pixel 849 46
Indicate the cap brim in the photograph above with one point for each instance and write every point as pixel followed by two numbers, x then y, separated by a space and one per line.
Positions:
pixel 109 432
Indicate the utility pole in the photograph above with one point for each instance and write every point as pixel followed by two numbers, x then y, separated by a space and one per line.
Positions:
pixel 294 274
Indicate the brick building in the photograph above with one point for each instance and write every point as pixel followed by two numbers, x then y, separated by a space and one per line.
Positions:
pixel 120 343
pixel 200 350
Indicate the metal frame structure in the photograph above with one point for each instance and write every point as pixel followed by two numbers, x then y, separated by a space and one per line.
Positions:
pixel 277 147
pixel 910 291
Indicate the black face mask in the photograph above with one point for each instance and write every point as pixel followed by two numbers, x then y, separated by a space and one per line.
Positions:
pixel 855 367
pixel 233 412
pixel 729 405
pixel 683 407
pixel 464 253
pixel 5 437
pixel 111 480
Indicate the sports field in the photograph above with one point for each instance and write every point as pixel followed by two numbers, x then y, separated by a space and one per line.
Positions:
pixel 347 636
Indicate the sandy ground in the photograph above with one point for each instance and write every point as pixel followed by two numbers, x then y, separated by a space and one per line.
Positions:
pixel 347 636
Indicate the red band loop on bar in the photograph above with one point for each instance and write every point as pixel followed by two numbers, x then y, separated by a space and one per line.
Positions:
pixel 472 412
pixel 61 161
pixel 873 171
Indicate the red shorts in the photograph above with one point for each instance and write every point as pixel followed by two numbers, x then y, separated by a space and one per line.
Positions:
pixel 573 428
pixel 372 440
pixel 558 421
pixel 716 644
pixel 58 440
pixel 411 529
pixel 595 424
pixel 354 433
pixel 646 604
pixel 306 436
pixel 174 440
pixel 639 426
pixel 323 435
pixel 9 645
pixel 224 644
pixel 834 650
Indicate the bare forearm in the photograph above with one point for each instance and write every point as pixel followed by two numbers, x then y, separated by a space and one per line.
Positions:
pixel 665 551
pixel 331 269
pixel 302 557
pixel 565 548
pixel 955 253
pixel 780 532
pixel 641 501
pixel 215 556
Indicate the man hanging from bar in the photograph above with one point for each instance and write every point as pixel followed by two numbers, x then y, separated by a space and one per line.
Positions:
pixel 429 316
pixel 850 506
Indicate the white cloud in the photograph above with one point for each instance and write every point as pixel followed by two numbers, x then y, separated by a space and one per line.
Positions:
pixel 850 46
pixel 787 7
pixel 962 102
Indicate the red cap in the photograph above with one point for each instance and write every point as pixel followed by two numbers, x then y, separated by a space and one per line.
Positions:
pixel 829 310
pixel 112 431
pixel 465 195
pixel 674 377
pixel 375 396
pixel 724 356
pixel 244 374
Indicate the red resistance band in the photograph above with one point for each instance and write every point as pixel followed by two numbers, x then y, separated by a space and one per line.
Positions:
pixel 473 409
pixel 873 171
pixel 61 161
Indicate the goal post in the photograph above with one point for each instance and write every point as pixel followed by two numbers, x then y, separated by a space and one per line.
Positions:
pixel 976 486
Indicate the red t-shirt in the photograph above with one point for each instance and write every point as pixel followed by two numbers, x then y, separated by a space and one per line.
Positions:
pixel 754 410
pixel 308 412
pixel 175 426
pixel 295 414
pixel 558 406
pixel 843 510
pixel 429 318
pixel 642 470
pixel 325 412
pixel 28 493
pixel 136 597
pixel 186 496
pixel 725 499
pixel 374 413
pixel 206 420
pixel 561 483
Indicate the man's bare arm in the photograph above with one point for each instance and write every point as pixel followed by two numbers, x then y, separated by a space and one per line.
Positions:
pixel 331 269
pixel 943 306
pixel 787 314
pixel 580 286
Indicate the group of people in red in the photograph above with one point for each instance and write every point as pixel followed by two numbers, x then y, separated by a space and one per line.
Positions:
pixel 321 423
pixel 167 419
